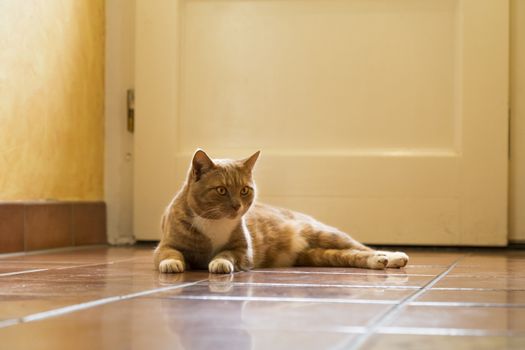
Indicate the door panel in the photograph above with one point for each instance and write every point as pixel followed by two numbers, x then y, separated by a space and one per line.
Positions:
pixel 338 75
pixel 384 118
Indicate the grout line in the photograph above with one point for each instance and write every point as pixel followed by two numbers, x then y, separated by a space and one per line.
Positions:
pixel 268 326
pixel 401 287
pixel 464 304
pixel 448 331
pixel 283 299
pixel 425 266
pixel 82 306
pixel 330 329
pixel 63 267
pixel 52 250
pixel 481 289
pixel 494 275
pixel 344 273
pixel 54 262
pixel 394 311
pixel 321 285
pixel 20 272
pixel 112 262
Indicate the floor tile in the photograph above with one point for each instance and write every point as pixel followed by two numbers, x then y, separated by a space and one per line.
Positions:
pixel 8 267
pixel 167 324
pixel 12 269
pixel 482 282
pixel 434 258
pixel 44 290
pixel 496 319
pixel 335 279
pixel 473 296
pixel 16 306
pixel 408 270
pixel 509 270
pixel 431 342
pixel 286 340
pixel 107 298
pixel 84 255
pixel 228 290
pixel 494 257
pixel 85 281
pixel 494 264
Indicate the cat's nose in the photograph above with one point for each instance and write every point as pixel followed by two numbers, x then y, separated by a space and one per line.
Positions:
pixel 236 206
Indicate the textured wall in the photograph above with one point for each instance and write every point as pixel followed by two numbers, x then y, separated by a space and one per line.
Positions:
pixel 51 99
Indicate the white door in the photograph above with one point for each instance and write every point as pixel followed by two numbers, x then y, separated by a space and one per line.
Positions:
pixel 387 119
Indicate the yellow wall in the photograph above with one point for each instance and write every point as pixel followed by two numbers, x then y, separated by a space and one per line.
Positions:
pixel 51 99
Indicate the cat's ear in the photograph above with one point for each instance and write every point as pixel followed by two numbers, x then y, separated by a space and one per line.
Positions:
pixel 201 163
pixel 250 162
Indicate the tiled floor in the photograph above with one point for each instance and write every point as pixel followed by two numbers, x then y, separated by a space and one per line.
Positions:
pixel 112 298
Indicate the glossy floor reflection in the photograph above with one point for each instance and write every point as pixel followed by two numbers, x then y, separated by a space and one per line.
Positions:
pixel 112 298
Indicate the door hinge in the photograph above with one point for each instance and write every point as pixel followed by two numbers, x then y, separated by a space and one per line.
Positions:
pixel 131 110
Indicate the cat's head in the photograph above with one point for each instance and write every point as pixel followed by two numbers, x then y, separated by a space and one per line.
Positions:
pixel 221 188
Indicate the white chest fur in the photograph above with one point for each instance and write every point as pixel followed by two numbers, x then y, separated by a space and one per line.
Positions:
pixel 218 231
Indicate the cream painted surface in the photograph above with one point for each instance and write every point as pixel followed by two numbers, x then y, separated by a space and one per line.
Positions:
pixel 517 104
pixel 51 99
pixel 156 77
pixel 372 116
pixel 120 70
pixel 307 68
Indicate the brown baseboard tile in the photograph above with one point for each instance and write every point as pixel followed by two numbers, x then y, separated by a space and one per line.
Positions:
pixel 89 223
pixel 44 225
pixel 47 226
pixel 11 228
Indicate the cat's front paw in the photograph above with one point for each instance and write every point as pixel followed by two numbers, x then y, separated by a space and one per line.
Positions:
pixel 171 266
pixel 221 266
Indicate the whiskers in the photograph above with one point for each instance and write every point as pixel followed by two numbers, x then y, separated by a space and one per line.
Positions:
pixel 210 214
pixel 214 213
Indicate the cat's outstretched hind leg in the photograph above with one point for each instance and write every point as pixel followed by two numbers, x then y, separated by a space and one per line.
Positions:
pixel 395 259
pixel 367 259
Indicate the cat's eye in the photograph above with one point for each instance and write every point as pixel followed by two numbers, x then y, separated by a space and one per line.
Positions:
pixel 221 190
pixel 245 190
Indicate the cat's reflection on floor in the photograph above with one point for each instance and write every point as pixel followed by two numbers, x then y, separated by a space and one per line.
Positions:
pixel 241 312
pixel 202 323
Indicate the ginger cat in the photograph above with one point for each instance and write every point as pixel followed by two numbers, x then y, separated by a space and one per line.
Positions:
pixel 214 222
